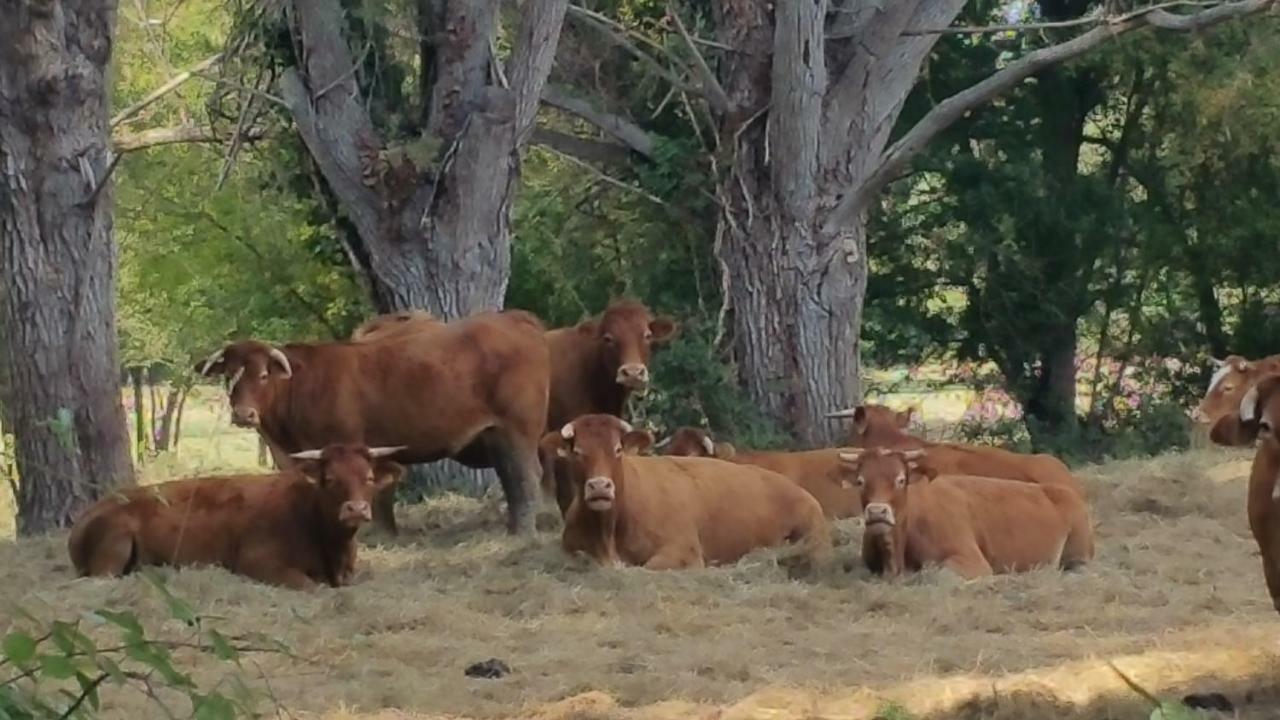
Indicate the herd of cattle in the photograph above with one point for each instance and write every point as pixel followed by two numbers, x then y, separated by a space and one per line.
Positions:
pixel 545 409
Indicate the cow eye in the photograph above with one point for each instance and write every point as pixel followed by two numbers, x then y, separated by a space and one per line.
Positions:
pixel 609 338
pixel 861 481
pixel 900 480
pixel 617 450
pixel 648 334
pixel 263 376
pixel 1228 387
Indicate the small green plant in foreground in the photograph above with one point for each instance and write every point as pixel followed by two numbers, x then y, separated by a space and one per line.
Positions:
pixel 1160 709
pixel 893 711
pixel 57 670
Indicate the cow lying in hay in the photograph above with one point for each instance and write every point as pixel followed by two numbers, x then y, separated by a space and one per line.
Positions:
pixel 294 528
pixel 663 513
pixel 973 526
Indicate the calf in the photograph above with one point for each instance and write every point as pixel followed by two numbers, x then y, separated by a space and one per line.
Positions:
pixel 972 526
pixel 474 390
pixel 294 528
pixel 1254 424
pixel 1232 379
pixel 816 471
pixel 664 512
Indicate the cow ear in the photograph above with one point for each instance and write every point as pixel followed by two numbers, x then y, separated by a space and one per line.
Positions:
pixel 388 472
pixel 555 443
pixel 860 420
pixel 636 442
pixel 904 417
pixel 662 328
pixel 920 473
pixel 725 450
pixel 312 471
pixel 588 327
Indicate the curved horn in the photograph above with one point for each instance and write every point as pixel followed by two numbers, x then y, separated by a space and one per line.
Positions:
pixel 626 426
pixel 566 432
pixel 214 358
pixel 306 455
pixel 852 457
pixel 377 452
pixel 910 455
pixel 663 442
pixel 1249 405
pixel 276 354
pixel 845 413
pixel 709 446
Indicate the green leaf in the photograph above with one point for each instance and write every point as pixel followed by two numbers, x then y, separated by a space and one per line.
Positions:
pixel 158 659
pixel 19 648
pixel 1174 711
pixel 221 648
pixel 214 706
pixel 109 666
pixel 124 620
pixel 68 638
pixel 58 667
pixel 89 687
pixel 178 608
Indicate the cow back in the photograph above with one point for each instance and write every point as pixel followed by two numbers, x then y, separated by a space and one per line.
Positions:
pixel 816 471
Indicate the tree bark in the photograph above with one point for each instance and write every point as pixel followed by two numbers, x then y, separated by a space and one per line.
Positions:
pixel 177 418
pixel 57 256
pixel 139 415
pixel 165 437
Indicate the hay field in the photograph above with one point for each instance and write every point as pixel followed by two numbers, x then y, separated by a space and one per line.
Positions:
pixel 1175 598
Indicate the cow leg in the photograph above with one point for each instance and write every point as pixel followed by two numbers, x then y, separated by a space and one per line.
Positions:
pixel 114 555
pixel 519 469
pixel 1270 550
pixel 676 557
pixel 384 510
pixel 968 564
pixel 265 566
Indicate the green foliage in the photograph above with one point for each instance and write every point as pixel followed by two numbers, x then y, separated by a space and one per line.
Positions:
pixel 59 669
pixel 893 711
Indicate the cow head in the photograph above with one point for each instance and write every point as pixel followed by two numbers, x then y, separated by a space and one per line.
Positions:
pixel 688 442
pixel 881 476
pixel 1255 418
pixel 595 444
pixel 393 324
pixel 349 477
pixel 878 426
pixel 254 373
pixel 1232 378
pixel 627 333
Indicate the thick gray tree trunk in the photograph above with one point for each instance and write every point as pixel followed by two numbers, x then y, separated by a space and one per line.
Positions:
pixel 808 124
pixel 437 237
pixel 57 258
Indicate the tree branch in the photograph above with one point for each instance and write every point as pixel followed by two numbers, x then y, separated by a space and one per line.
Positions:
pixel 618 35
pixel 952 109
pixel 616 126
pixel 711 88
pixel 173 84
pixel 584 149
pixel 181 134
pixel 1097 19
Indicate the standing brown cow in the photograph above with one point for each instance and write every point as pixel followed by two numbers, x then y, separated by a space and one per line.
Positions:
pixel 474 390
pixel 294 528
pixel 595 366
pixel 1255 422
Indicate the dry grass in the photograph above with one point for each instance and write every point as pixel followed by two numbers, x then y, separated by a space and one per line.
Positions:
pixel 1175 595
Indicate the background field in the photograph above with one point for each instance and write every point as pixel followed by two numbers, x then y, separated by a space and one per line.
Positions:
pixel 1175 598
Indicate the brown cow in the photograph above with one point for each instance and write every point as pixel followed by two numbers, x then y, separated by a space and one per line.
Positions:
pixel 1232 378
pixel 595 366
pixel 474 390
pixel 663 512
pixel 817 471
pixel 871 429
pixel 1255 423
pixel 973 526
pixel 294 528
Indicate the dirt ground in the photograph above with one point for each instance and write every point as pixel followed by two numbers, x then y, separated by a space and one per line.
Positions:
pixel 1175 599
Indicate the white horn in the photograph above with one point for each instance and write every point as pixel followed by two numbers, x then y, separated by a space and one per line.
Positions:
pixel 910 455
pixel 846 413
pixel 566 432
pixel 709 446
pixel 306 455
pixel 1249 405
pixel 214 358
pixel 1216 362
pixel 663 442
pixel 851 457
pixel 378 452
pixel 626 426
pixel 279 357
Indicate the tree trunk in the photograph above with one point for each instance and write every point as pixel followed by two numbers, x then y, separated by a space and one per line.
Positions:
pixel 165 437
pixel 800 142
pixel 177 417
pixel 139 415
pixel 434 237
pixel 57 256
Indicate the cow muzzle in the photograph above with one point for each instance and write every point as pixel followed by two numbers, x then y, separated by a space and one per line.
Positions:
pixel 599 493
pixel 355 512
pixel 633 376
pixel 245 417
pixel 878 517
